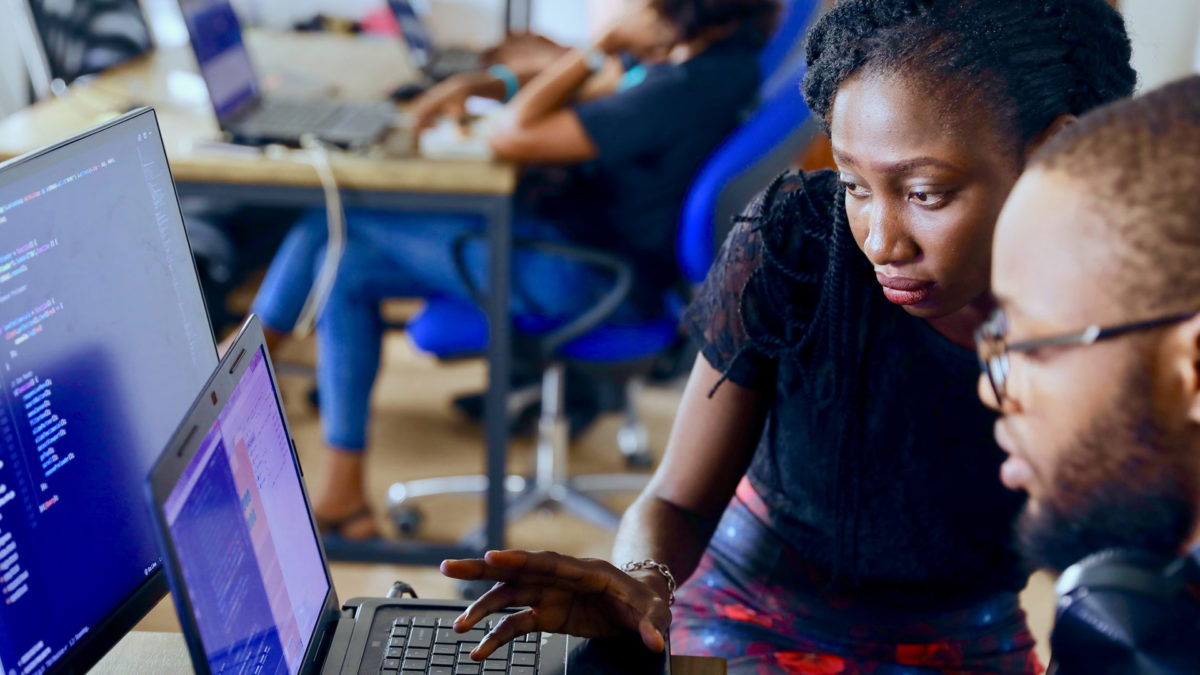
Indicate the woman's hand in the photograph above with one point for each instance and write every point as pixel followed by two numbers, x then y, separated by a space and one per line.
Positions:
pixel 525 53
pixel 586 598
pixel 447 99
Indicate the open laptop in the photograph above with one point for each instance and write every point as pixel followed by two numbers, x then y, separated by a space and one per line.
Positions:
pixel 437 64
pixel 251 585
pixel 252 118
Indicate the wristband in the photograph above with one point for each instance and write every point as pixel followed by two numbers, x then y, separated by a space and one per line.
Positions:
pixel 595 60
pixel 658 567
pixel 508 77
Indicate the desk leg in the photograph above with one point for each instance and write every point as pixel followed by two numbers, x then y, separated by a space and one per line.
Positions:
pixel 499 355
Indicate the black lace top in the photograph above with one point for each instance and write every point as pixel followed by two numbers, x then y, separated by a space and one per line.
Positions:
pixel 877 457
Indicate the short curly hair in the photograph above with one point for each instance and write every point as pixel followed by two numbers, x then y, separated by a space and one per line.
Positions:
pixel 755 18
pixel 1138 161
pixel 1028 61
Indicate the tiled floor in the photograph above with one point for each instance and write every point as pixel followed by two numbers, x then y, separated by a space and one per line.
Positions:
pixel 416 434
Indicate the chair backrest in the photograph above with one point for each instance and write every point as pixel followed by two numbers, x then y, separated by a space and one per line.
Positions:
pixel 788 39
pixel 765 145
pixel 81 37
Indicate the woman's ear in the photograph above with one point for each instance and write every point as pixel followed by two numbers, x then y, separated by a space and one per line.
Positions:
pixel 1061 122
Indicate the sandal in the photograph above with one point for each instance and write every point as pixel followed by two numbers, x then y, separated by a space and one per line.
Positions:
pixel 334 527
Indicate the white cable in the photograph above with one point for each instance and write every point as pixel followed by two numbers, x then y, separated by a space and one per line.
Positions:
pixel 335 217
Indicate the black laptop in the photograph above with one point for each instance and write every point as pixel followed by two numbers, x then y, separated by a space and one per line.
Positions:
pixel 437 64
pixel 246 567
pixel 252 118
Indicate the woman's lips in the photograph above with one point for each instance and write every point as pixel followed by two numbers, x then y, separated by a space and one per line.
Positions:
pixel 904 291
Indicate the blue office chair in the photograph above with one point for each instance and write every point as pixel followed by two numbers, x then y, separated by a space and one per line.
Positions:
pixel 763 146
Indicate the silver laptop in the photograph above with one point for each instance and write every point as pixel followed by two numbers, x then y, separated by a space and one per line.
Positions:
pixel 252 118
pixel 246 567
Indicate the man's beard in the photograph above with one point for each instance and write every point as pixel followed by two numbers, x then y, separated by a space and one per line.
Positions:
pixel 1119 485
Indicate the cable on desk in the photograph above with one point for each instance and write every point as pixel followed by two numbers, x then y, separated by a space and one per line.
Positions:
pixel 335 216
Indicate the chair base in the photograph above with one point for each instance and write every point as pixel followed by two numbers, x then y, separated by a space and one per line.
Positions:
pixel 524 497
pixel 550 487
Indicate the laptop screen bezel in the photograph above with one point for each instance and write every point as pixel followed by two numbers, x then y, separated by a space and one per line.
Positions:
pixel 108 631
pixel 178 455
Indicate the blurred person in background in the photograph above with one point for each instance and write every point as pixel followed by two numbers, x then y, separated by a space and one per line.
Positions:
pixel 613 151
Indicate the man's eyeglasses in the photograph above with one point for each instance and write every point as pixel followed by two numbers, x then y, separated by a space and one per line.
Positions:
pixel 992 344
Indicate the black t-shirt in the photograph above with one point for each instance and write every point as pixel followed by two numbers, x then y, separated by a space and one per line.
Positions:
pixel 877 457
pixel 652 140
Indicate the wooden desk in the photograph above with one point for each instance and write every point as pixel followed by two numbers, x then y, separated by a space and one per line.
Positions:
pixel 166 653
pixel 297 64
pixel 313 66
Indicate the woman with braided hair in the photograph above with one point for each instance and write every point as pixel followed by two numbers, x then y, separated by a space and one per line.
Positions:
pixel 830 490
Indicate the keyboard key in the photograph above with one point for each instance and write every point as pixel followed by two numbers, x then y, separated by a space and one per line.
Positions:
pixel 441 660
pixel 494 665
pixel 467 669
pixel 396 643
pixel 425 622
pixel 524 659
pixel 416 653
pixel 395 653
pixel 391 664
pixel 522 670
pixel 421 637
pixel 500 653
pixel 447 636
pixel 399 631
pixel 414 664
pixel 445 649
pixel 526 647
pixel 473 635
pixel 533 637
pixel 441 670
pixel 466 647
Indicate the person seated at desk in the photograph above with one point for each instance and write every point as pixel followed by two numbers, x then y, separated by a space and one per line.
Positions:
pixel 1103 425
pixel 830 490
pixel 625 156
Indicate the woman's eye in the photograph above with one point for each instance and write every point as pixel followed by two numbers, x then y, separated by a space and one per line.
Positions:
pixel 925 198
pixel 854 189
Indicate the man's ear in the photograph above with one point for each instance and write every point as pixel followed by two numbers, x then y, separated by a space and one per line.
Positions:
pixel 1061 122
pixel 1185 360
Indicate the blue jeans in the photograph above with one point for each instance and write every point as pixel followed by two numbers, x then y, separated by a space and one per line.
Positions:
pixel 401 255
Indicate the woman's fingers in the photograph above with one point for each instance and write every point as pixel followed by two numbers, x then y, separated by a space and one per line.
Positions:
pixel 510 627
pixel 591 576
pixel 501 596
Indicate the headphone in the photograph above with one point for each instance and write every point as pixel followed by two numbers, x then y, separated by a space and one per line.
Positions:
pixel 1128 613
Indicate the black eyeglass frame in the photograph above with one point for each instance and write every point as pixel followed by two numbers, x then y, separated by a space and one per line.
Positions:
pixel 995 365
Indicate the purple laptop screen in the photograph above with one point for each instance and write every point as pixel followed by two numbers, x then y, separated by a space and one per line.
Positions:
pixel 244 540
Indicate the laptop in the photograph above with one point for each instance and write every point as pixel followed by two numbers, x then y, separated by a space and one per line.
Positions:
pixel 251 118
pixel 437 64
pixel 246 566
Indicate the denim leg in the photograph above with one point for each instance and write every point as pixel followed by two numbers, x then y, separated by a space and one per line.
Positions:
pixel 285 288
pixel 394 255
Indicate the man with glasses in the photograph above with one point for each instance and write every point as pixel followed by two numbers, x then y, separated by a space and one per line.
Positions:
pixel 1093 360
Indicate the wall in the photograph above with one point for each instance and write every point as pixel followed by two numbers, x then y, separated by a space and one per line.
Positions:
pixel 1164 34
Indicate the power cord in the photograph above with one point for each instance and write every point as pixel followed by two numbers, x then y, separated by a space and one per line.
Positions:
pixel 400 589
pixel 317 154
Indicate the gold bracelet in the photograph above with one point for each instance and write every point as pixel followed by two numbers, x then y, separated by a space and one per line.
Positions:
pixel 658 567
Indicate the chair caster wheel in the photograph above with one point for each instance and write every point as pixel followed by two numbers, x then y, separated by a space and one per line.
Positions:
pixel 407 519
pixel 471 590
pixel 639 461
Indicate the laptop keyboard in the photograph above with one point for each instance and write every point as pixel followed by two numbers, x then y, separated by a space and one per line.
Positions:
pixel 423 645
pixel 284 117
